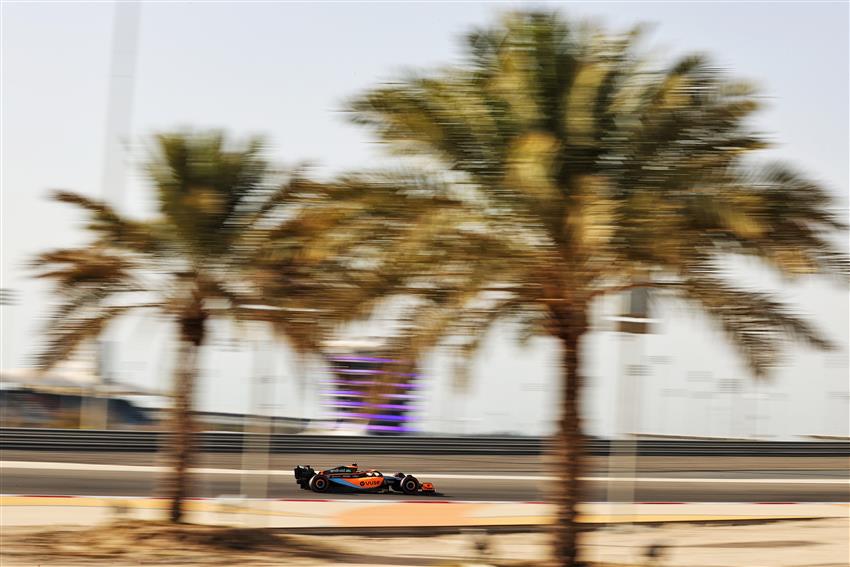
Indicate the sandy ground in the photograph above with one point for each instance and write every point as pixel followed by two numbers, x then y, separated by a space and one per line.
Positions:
pixel 812 543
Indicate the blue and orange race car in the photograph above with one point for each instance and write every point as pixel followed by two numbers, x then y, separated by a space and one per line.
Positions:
pixel 351 479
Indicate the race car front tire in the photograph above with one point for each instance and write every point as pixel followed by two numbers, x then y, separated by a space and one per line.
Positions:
pixel 319 483
pixel 409 484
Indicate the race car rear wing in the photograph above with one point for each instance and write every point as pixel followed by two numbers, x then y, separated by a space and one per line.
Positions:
pixel 303 474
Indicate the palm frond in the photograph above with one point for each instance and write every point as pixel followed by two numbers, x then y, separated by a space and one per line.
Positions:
pixel 760 326
pixel 74 269
pixel 598 166
pixel 64 334
pixel 110 228
pixel 203 182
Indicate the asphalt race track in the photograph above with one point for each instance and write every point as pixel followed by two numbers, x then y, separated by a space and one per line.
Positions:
pixel 515 478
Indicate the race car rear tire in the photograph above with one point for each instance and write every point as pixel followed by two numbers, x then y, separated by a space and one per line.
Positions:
pixel 396 483
pixel 320 483
pixel 409 484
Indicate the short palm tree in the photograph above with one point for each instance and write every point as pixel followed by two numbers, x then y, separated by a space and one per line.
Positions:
pixel 601 174
pixel 228 237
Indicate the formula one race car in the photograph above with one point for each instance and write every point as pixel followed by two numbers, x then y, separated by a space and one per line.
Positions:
pixel 351 479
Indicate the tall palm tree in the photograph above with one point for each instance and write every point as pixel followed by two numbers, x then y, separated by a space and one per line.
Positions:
pixel 227 234
pixel 603 173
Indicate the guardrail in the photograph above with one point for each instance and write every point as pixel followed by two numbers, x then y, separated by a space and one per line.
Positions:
pixel 227 442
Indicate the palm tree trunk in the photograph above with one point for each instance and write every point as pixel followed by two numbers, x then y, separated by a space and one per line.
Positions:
pixel 569 449
pixel 181 446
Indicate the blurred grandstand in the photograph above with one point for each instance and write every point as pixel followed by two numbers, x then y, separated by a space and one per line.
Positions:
pixel 79 400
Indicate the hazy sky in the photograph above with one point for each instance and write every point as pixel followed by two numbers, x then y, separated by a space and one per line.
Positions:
pixel 283 70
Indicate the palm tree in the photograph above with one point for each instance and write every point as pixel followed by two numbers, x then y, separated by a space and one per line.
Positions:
pixel 602 173
pixel 227 233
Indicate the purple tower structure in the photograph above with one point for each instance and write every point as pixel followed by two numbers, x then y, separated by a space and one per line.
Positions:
pixel 373 391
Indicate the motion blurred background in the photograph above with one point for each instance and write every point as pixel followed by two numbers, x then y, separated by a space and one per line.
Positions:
pixel 84 86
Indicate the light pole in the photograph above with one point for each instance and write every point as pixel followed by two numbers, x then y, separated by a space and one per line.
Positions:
pixel 257 427
pixel 256 447
pixel 623 448
pixel 119 103
pixel 104 375
pixel 119 113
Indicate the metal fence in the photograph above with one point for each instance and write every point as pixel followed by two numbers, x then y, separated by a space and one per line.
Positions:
pixel 227 442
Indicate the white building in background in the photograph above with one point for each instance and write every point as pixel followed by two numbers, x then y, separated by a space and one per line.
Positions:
pixel 683 378
pixel 692 382
pixel 689 381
